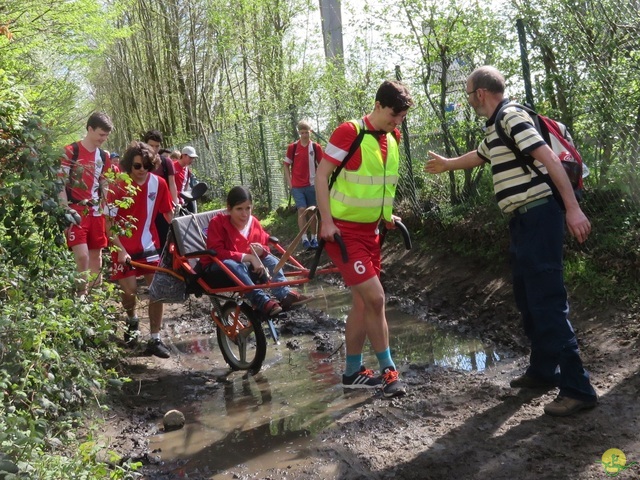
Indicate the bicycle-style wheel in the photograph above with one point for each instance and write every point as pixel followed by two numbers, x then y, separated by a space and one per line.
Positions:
pixel 242 340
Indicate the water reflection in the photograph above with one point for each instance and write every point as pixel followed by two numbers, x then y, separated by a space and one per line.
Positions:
pixel 416 341
pixel 255 424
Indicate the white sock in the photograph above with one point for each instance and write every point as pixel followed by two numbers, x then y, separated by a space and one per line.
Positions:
pixel 155 335
pixel 304 237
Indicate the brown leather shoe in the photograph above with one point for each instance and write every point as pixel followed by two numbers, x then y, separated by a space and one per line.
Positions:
pixel 565 406
pixel 527 381
pixel 294 299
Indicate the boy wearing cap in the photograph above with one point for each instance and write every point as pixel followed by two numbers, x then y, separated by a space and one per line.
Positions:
pixel 183 173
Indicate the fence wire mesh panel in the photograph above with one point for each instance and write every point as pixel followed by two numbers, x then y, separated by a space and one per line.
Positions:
pixel 582 66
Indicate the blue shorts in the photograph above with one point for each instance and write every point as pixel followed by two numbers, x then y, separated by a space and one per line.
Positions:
pixel 304 196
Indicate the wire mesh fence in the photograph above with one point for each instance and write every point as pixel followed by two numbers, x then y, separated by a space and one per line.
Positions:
pixel 582 68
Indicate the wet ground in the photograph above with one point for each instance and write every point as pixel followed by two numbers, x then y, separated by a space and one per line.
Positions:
pixel 457 341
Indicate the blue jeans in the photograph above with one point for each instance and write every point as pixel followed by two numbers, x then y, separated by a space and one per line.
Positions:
pixel 259 297
pixel 538 285
pixel 304 196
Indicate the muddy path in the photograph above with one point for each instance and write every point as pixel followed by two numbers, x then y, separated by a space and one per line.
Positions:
pixel 454 422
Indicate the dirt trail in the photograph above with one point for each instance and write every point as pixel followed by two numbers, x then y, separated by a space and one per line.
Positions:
pixel 452 424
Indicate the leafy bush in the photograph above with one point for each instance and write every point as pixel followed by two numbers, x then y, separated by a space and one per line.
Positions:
pixel 56 354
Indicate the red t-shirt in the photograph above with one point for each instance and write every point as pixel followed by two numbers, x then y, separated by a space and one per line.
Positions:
pixel 228 241
pixel 343 137
pixel 151 198
pixel 303 166
pixel 164 162
pixel 182 178
pixel 84 175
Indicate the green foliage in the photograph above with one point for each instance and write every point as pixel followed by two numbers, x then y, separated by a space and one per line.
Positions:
pixel 56 352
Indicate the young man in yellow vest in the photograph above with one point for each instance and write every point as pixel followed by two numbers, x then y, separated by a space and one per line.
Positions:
pixel 361 196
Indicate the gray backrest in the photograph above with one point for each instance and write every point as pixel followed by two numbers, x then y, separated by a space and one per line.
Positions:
pixel 190 231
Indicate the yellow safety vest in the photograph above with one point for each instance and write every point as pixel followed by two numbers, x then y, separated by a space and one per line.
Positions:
pixel 366 195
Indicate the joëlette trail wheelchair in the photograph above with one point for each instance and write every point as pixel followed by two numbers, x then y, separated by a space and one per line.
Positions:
pixel 239 327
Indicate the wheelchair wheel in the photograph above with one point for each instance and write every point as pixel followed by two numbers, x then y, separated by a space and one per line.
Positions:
pixel 242 341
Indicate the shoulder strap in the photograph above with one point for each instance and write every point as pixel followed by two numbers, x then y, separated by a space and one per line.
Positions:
pixel 318 151
pixel 352 150
pixel 510 142
pixel 75 149
pixel 293 154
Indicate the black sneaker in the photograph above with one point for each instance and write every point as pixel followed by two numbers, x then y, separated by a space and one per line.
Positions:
pixel 527 381
pixel 131 333
pixel 364 378
pixel 157 348
pixel 392 386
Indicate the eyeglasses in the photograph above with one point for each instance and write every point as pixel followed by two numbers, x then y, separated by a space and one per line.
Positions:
pixel 474 91
pixel 138 166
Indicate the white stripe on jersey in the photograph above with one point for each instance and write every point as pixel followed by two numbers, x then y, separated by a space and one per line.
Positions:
pixel 152 194
pixel 335 152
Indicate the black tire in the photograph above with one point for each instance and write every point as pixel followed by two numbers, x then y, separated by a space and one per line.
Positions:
pixel 248 350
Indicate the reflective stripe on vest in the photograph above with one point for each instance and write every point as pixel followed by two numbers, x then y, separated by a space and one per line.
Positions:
pixel 366 194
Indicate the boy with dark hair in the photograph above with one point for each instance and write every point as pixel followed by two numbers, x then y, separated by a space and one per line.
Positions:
pixel 82 172
pixel 164 169
pixel 361 196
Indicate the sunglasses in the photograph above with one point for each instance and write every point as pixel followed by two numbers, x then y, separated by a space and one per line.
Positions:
pixel 138 166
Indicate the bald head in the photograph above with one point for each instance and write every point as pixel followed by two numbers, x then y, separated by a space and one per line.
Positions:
pixel 488 78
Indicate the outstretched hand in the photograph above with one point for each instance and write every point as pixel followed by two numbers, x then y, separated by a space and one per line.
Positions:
pixel 436 163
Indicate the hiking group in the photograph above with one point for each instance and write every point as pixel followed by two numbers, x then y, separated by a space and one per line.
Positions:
pixel 352 184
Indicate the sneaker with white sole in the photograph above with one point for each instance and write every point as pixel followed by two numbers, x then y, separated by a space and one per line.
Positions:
pixel 131 332
pixel 157 348
pixel 363 378
pixel 392 386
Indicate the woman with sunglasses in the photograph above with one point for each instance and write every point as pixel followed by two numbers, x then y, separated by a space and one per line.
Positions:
pixel 131 229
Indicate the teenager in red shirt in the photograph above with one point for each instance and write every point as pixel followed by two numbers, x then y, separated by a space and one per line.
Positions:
pixel 241 243
pixel 300 171
pixel 85 186
pixel 151 197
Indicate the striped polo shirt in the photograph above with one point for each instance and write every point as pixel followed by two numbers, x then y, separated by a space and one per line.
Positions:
pixel 514 183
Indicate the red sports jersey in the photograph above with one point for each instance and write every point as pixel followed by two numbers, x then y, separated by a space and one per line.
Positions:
pixel 229 243
pixel 303 166
pixel 84 176
pixel 152 197
pixel 182 178
pixel 343 137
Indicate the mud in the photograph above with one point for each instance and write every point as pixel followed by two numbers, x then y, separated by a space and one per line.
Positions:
pixel 453 423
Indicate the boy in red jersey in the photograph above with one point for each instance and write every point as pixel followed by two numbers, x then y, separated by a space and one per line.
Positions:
pixel 361 196
pixel 300 171
pixel 83 167
pixel 151 197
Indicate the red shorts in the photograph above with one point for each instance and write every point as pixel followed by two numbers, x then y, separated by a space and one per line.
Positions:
pixel 90 232
pixel 363 247
pixel 123 270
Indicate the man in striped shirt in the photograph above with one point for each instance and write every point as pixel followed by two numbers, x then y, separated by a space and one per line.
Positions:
pixel 537 230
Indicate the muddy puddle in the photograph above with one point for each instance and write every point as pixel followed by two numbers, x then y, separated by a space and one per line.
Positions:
pixel 248 425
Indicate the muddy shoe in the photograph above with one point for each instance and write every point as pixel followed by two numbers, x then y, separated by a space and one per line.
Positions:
pixel 131 332
pixel 293 300
pixel 565 406
pixel 527 381
pixel 392 386
pixel 271 308
pixel 364 378
pixel 157 348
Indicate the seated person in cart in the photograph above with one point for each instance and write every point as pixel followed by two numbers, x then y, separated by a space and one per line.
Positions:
pixel 241 244
pixel 140 242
